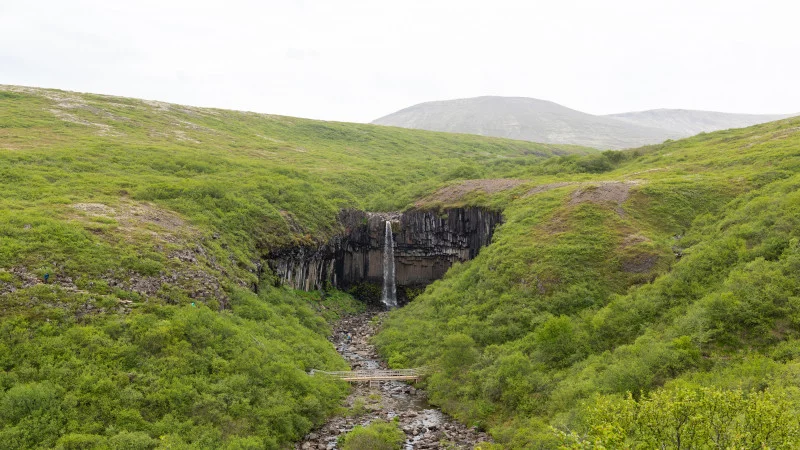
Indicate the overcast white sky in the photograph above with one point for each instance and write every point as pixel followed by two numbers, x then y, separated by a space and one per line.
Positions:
pixel 356 60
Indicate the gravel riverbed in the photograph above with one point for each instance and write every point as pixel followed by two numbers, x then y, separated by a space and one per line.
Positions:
pixel 425 426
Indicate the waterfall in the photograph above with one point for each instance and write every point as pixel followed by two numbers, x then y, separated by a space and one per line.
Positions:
pixel 389 297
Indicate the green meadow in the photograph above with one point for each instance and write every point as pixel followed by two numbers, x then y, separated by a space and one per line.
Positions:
pixel 648 298
pixel 158 326
pixel 643 299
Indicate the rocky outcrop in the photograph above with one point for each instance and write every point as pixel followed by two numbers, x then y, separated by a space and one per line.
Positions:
pixel 427 243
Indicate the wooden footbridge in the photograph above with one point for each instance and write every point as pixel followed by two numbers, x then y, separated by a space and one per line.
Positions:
pixel 373 375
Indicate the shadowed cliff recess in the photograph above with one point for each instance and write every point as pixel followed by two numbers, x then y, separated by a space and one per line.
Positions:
pixel 427 243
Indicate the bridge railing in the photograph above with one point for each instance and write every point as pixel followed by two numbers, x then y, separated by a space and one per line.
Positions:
pixel 368 375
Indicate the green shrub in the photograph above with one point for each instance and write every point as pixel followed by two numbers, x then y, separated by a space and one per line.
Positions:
pixel 126 440
pixel 378 435
pixel 686 417
pixel 77 441
pixel 27 399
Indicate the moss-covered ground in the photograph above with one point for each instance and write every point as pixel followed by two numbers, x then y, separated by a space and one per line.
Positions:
pixel 135 308
pixel 638 299
pixel 667 273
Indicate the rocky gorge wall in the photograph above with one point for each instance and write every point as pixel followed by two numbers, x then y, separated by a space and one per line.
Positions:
pixel 427 243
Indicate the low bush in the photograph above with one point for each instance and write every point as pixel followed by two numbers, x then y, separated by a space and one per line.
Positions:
pixel 378 435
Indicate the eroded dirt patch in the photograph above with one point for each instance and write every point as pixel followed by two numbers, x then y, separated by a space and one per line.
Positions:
pixel 167 233
pixel 593 192
pixel 67 104
pixel 634 239
pixel 603 192
pixel 456 192
pixel 135 216
pixel 73 107
pixel 102 128
pixel 548 187
pixel 641 263
pixel 608 193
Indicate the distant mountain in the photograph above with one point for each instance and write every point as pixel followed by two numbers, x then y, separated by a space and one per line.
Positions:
pixel 537 120
pixel 689 122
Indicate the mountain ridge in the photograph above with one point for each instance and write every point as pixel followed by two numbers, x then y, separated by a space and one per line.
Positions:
pixel 545 121
pixel 695 121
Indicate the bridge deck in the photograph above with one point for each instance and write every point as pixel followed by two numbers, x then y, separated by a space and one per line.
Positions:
pixel 373 375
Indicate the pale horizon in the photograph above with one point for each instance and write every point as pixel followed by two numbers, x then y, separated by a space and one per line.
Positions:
pixel 356 61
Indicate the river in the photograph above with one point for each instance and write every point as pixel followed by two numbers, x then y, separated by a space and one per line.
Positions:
pixel 425 426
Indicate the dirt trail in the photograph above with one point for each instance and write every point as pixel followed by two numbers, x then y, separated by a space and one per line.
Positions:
pixel 425 426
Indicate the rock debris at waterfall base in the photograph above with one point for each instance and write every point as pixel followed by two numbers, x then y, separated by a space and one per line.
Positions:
pixel 425 427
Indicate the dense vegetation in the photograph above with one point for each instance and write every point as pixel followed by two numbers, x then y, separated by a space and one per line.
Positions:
pixel 654 304
pixel 185 377
pixel 636 299
pixel 135 311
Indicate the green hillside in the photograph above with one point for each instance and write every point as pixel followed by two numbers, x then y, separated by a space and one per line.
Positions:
pixel 149 221
pixel 671 275
pixel 648 298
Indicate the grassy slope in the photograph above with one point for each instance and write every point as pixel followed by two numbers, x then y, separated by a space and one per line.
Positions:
pixel 137 209
pixel 578 302
pixel 150 220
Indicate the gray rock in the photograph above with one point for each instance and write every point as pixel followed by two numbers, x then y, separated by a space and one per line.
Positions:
pixel 426 245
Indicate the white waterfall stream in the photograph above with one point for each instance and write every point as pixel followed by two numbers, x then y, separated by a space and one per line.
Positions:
pixel 389 297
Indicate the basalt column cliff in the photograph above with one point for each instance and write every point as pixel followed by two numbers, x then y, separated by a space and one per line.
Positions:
pixel 426 244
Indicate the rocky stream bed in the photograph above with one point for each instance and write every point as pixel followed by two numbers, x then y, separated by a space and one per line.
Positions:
pixel 425 426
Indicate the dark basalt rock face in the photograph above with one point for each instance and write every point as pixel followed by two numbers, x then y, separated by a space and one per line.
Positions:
pixel 427 243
